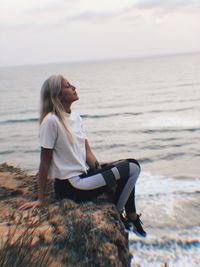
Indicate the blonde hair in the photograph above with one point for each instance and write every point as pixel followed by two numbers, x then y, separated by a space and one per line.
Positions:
pixel 51 101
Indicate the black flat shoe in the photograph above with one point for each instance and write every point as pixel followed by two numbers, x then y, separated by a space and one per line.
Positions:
pixel 137 226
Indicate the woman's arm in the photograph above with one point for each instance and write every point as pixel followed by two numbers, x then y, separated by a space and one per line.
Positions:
pixel 45 161
pixel 90 158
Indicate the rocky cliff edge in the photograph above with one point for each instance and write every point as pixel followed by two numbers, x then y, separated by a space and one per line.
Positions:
pixel 62 233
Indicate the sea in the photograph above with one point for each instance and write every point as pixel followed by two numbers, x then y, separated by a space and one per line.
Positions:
pixel 142 108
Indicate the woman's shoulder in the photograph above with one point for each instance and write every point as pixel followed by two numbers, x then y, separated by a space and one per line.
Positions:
pixel 50 118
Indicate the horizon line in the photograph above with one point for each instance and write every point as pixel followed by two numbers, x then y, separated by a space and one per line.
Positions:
pixel 98 60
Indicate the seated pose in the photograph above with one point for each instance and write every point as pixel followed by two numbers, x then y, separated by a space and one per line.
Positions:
pixel 66 157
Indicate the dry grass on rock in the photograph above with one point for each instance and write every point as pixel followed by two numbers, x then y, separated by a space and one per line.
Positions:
pixel 61 233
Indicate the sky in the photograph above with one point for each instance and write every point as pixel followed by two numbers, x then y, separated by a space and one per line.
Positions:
pixel 47 31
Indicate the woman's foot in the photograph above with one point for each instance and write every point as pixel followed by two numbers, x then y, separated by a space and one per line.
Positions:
pixel 126 223
pixel 136 223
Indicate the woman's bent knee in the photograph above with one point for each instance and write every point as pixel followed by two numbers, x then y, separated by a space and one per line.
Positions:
pixel 134 167
pixel 134 161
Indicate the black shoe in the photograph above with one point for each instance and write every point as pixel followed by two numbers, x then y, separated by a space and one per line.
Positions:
pixel 137 226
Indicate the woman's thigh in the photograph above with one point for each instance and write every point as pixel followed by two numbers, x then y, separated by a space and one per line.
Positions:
pixel 107 176
pixel 88 183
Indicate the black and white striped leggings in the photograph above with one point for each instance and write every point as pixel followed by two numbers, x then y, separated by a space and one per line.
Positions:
pixel 120 176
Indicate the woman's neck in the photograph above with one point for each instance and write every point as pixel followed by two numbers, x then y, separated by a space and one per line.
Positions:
pixel 67 108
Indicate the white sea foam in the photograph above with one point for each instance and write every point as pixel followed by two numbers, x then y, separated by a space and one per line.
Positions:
pixel 170 216
pixel 177 248
pixel 152 184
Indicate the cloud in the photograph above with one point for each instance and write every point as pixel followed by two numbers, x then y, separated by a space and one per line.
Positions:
pixel 131 10
pixel 57 13
pixel 91 16
pixel 47 7
pixel 41 17
pixel 76 10
pixel 169 5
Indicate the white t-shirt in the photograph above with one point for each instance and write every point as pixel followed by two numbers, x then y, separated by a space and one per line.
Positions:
pixel 69 157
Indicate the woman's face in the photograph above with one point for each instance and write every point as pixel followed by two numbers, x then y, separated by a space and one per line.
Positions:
pixel 68 92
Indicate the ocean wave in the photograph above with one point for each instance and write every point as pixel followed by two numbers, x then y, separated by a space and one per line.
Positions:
pixel 165 139
pixel 166 244
pixel 154 184
pixel 172 156
pixel 19 149
pixel 7 152
pixel 28 120
pixel 169 110
pixel 175 247
pixel 164 130
pixel 27 111
pixel 165 144
pixel 145 160
pixel 107 147
pixel 111 115
pixel 32 151
pixel 187 84
pixel 175 122
pixel 172 195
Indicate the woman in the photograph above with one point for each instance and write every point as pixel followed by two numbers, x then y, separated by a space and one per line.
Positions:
pixel 66 157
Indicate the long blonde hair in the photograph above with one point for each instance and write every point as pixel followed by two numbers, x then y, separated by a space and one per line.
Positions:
pixel 51 101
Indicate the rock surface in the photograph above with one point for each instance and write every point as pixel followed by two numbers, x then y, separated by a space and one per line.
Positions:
pixel 62 233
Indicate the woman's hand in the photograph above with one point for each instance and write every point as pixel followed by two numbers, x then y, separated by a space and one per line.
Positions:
pixel 31 205
pixel 91 159
pixel 97 165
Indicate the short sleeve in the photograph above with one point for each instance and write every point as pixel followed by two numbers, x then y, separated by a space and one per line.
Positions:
pixel 83 130
pixel 48 133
